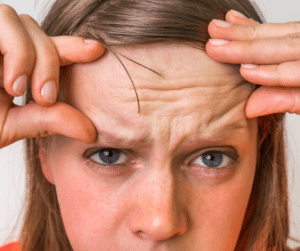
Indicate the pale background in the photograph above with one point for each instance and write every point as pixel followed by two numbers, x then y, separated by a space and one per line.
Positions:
pixel 12 158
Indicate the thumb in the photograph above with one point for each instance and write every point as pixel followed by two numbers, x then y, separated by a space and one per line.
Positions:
pixel 268 100
pixel 34 120
pixel 77 49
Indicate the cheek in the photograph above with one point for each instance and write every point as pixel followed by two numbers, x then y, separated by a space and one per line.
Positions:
pixel 220 210
pixel 89 212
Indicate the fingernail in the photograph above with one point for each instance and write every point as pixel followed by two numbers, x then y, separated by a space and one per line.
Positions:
pixel 49 91
pixel 221 23
pixel 218 41
pixel 90 41
pixel 238 14
pixel 249 66
pixel 20 84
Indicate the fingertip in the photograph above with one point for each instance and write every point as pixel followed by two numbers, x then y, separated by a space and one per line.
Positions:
pixel 49 92
pixel 214 49
pixel 213 29
pixel 254 111
pixel 83 128
pixel 249 66
pixel 73 49
pixel 229 17
pixel 236 17
pixel 253 114
pixel 19 85
pixel 235 14
pixel 45 92
pixel 94 48
pixel 90 136
pixel 209 50
pixel 90 41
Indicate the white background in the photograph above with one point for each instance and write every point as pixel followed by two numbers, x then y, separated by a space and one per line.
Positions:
pixel 12 158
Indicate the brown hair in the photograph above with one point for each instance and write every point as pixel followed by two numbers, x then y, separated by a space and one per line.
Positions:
pixel 130 22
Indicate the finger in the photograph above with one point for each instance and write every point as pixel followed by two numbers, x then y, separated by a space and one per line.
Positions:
pixel 17 50
pixel 34 120
pixel 262 51
pixel 285 74
pixel 269 100
pixel 236 17
pixel 228 31
pixel 45 75
pixel 77 49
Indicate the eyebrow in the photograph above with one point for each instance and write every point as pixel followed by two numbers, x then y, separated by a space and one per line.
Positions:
pixel 135 140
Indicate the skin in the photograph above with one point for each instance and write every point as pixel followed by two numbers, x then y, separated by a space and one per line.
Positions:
pixel 27 53
pixel 274 49
pixel 151 219
pixel 162 197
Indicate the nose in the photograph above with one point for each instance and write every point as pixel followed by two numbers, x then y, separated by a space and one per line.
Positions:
pixel 157 213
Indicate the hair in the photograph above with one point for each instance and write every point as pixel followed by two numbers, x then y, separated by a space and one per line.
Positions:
pixel 136 22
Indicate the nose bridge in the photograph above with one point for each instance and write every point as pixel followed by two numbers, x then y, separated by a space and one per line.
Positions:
pixel 161 188
pixel 158 214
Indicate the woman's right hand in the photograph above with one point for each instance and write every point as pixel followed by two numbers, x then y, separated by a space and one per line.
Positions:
pixel 27 53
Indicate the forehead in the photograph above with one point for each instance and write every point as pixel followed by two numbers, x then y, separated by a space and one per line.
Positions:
pixel 179 87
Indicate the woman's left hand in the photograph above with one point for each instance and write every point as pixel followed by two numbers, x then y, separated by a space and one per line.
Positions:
pixel 270 57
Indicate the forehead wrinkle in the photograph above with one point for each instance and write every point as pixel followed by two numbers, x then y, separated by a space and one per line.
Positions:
pixel 123 136
pixel 184 93
pixel 179 88
pixel 186 101
pixel 240 95
pixel 230 122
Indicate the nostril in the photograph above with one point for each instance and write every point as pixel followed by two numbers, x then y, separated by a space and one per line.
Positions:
pixel 142 235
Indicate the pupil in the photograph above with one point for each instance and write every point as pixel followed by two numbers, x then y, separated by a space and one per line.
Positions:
pixel 212 159
pixel 109 156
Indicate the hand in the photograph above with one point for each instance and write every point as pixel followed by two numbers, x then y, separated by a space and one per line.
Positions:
pixel 270 56
pixel 27 53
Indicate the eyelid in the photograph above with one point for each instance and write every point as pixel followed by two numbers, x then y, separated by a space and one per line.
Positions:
pixel 88 154
pixel 229 151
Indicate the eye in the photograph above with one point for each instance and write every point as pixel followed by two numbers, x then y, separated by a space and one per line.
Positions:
pixel 214 159
pixel 213 164
pixel 108 156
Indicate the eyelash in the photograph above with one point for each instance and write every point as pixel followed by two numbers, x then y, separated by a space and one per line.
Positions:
pixel 112 167
pixel 196 169
pixel 199 170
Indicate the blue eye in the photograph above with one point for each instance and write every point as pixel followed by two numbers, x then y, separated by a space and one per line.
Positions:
pixel 108 156
pixel 213 159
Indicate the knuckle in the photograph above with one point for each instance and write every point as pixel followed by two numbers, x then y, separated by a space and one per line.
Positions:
pixel 251 47
pixel 26 56
pixel 293 39
pixel 256 31
pixel 26 17
pixel 51 64
pixel 254 22
pixel 52 59
pixel 6 11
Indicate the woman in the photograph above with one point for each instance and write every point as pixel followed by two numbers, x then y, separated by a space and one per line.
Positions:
pixel 159 153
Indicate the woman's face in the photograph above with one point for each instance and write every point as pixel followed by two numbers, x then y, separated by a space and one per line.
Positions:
pixel 177 176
